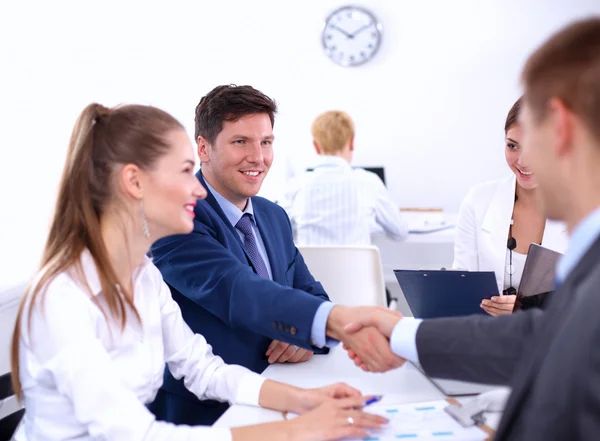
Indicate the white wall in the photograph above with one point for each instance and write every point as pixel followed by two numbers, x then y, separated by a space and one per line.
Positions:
pixel 430 106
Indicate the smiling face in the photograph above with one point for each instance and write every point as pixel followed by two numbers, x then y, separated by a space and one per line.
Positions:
pixel 236 164
pixel 171 189
pixel 514 159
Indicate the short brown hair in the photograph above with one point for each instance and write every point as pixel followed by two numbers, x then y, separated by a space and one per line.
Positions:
pixel 567 67
pixel 332 130
pixel 513 115
pixel 230 103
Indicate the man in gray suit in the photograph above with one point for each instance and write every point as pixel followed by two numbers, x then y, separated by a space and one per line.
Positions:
pixel 550 358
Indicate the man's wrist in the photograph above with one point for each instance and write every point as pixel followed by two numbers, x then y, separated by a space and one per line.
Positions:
pixel 336 322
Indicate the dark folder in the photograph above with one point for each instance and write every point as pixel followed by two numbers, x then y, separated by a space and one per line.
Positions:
pixel 441 293
pixel 538 277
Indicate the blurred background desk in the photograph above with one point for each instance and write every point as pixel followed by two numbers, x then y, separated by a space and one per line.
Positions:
pixel 421 250
pixel 10 413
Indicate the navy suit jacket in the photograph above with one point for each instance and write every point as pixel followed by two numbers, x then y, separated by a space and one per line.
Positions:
pixel 221 297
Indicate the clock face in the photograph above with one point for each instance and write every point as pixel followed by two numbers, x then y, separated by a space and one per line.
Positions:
pixel 351 36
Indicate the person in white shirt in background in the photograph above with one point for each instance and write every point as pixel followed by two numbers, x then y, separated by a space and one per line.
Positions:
pixel 98 324
pixel 336 204
pixel 494 212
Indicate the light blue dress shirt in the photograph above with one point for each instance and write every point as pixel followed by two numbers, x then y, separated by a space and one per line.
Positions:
pixel 403 340
pixel 234 214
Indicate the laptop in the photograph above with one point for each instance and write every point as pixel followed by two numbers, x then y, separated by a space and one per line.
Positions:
pixel 455 388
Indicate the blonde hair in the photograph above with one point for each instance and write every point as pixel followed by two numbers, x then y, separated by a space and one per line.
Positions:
pixel 332 131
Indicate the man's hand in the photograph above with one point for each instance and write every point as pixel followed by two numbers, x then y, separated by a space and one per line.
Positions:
pixel 370 347
pixel 383 319
pixel 280 352
pixel 499 305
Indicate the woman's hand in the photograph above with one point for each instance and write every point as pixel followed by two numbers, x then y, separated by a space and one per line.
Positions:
pixel 499 305
pixel 308 399
pixel 333 420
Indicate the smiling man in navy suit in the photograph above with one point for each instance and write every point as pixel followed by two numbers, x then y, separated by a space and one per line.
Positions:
pixel 238 277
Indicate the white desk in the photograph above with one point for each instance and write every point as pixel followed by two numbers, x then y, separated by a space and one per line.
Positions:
pixel 404 385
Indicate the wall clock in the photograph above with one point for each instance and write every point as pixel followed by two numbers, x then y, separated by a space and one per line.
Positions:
pixel 351 36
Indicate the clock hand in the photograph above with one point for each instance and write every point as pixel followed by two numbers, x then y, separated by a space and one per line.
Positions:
pixel 342 31
pixel 360 30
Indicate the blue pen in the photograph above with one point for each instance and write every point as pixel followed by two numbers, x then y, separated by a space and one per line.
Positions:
pixel 375 399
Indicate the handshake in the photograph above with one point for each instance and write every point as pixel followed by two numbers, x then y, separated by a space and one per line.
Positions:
pixel 365 332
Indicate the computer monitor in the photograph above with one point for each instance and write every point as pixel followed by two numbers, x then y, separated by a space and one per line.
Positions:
pixel 379 171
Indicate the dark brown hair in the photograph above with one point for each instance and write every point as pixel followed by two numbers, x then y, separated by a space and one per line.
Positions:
pixel 567 67
pixel 101 140
pixel 513 115
pixel 230 103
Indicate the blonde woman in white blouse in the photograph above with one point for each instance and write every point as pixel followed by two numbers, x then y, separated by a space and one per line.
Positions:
pixel 494 212
pixel 97 326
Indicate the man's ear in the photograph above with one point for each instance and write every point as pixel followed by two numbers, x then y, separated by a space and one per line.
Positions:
pixel 562 121
pixel 204 148
pixel 130 180
pixel 352 144
pixel 317 148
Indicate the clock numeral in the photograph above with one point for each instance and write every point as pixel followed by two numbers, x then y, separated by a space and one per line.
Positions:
pixel 370 46
pixel 329 37
pixel 362 54
pixel 351 57
pixel 373 34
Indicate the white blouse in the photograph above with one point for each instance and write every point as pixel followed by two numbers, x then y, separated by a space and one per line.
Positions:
pixel 84 379
pixel 518 265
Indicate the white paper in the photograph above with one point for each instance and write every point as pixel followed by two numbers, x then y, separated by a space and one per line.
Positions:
pixel 420 422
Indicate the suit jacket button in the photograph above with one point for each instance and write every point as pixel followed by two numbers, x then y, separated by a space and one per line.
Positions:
pixel 293 330
pixel 280 326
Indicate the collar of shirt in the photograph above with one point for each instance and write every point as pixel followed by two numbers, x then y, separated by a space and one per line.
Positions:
pixel 233 213
pixel 581 240
pixel 331 161
pixel 90 272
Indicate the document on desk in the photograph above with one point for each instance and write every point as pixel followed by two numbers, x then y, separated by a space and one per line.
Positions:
pixel 420 422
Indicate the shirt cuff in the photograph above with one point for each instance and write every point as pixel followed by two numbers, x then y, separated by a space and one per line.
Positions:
pixel 404 339
pixel 318 335
pixel 249 389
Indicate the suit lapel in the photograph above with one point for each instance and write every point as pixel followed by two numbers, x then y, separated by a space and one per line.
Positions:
pixel 210 199
pixel 555 320
pixel 265 227
pixel 496 223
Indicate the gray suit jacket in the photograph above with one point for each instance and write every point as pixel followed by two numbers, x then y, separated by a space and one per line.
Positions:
pixel 550 358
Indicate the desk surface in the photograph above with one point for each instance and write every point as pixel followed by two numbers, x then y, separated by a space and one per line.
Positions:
pixel 404 385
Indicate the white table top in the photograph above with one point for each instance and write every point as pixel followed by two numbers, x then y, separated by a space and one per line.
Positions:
pixel 404 385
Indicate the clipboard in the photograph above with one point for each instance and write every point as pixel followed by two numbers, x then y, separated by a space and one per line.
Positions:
pixel 451 401
pixel 442 293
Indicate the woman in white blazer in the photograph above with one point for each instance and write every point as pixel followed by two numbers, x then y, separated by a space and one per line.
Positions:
pixel 495 211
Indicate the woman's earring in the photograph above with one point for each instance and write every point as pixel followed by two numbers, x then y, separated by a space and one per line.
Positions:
pixel 144 221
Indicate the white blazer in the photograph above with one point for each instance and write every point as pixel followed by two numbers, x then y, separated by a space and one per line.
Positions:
pixel 482 229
